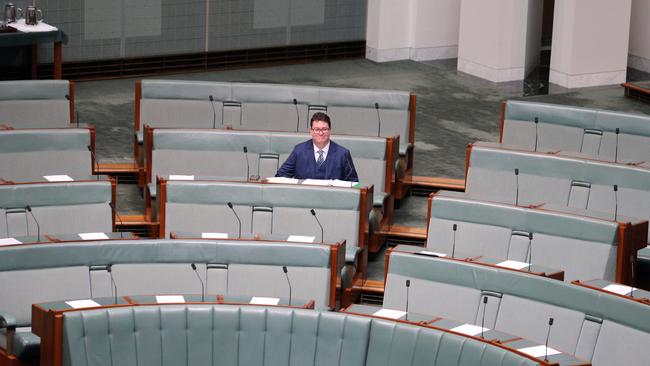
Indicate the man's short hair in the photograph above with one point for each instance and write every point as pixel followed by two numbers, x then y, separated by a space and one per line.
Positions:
pixel 322 117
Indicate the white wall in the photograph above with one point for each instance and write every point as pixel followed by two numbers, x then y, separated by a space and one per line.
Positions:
pixel 639 51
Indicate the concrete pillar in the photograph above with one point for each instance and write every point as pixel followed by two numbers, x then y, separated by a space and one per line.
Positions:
pixel 639 53
pixel 412 29
pixel 590 42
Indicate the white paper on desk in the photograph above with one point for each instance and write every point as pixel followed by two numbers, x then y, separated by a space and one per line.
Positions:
pixel 433 254
pixel 469 329
pixel 389 313
pixel 539 351
pixel 301 239
pixel 214 235
pixel 256 300
pixel 619 289
pixel 58 178
pixel 513 264
pixel 181 177
pixel 93 236
pixel 170 299
pixel 341 183
pixel 39 27
pixel 80 304
pixel 316 182
pixel 9 241
pixel 283 180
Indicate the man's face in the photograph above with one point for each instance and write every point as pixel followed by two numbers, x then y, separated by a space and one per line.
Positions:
pixel 320 133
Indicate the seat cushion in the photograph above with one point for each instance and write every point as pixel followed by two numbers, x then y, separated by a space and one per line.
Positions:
pixel 26 343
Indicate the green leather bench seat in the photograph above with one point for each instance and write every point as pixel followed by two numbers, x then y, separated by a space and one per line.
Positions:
pixel 246 336
pixel 58 207
pixel 34 153
pixel 69 271
pixel 35 103
pixel 569 129
pixel 603 328
pixel 583 247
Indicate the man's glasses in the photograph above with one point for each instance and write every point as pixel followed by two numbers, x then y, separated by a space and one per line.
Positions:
pixel 320 130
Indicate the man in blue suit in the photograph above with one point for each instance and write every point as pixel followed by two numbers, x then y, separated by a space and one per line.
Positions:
pixel 319 158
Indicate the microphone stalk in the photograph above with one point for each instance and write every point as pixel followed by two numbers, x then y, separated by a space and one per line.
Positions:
pixel 322 232
pixel 38 226
pixel 536 133
pixel 530 250
pixel 517 187
pixel 109 269
pixel 485 301
pixel 615 202
pixel 453 244
pixel 200 280
pixel 214 112
pixel 408 286
pixel 295 105
pixel 286 274
pixel 548 333
pixel 378 120
pixel 236 216
pixel 618 131
pixel 95 164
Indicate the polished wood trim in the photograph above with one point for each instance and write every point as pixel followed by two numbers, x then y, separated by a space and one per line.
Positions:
pixel 336 252
pixel 389 251
pixel 631 238
pixel 411 232
pixel 468 155
pixel 138 97
pixel 449 184
pixel 71 101
pixel 113 200
pixel 148 146
pixel 641 300
pixel 389 180
pixel 58 56
pixel 429 204
pixel 412 113
pixel 503 116
pixel 365 207
pixel 162 202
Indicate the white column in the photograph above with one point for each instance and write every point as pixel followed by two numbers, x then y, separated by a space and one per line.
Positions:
pixel 639 54
pixel 590 42
pixel 492 39
pixel 412 29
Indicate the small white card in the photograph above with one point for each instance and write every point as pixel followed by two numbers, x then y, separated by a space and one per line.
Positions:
pixel 539 351
pixel 302 239
pixel 513 264
pixel 341 183
pixel 432 254
pixel 282 180
pixel 469 329
pixel 58 178
pixel 181 177
pixel 93 236
pixel 619 289
pixel 170 299
pixel 9 241
pixel 256 300
pixel 389 313
pixel 80 304
pixel 214 235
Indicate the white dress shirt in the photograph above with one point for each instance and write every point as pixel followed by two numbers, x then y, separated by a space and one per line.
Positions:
pixel 325 150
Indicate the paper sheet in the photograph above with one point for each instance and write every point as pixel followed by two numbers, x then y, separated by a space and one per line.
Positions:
pixel 390 313
pixel 9 241
pixel 170 299
pixel 513 264
pixel 214 235
pixel 469 329
pixel 80 304
pixel 432 254
pixel 538 351
pixel 93 236
pixel 302 239
pixel 256 300
pixel 181 177
pixel 58 178
pixel 282 180
pixel 39 27
pixel 619 289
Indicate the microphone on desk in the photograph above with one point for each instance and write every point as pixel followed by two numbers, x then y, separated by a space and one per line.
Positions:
pixel 38 226
pixel 237 216
pixel 322 232
pixel 200 280
pixel 530 250
pixel 214 112
pixel 378 119
pixel 286 274
pixel 536 133
pixel 295 105
pixel 95 163
pixel 615 201
pixel 632 267
pixel 248 166
pixel 548 333
pixel 485 301
pixel 618 131
pixel 109 269
pixel 453 243
pixel 114 209
pixel 408 286
pixel 517 187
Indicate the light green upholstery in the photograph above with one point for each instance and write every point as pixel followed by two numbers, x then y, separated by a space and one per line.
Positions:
pixel 33 153
pixel 581 246
pixel 35 103
pixel 231 335
pixel 525 302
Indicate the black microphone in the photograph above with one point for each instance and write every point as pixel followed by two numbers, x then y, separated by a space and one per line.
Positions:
pixel 536 123
pixel 114 209
pixel 408 286
pixel 295 104
pixel 214 113
pixel 286 274
pixel 517 183
pixel 200 280
pixel 530 250
pixel 237 216
pixel 95 163
pixel 453 243
pixel 248 167
pixel 485 301
pixel 550 324
pixel 38 227
pixel 615 201
pixel 378 119
pixel 618 131
pixel 109 269
pixel 322 232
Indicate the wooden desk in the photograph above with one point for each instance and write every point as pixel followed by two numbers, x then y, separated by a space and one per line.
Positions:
pixel 617 289
pixel 57 37
pixel 47 318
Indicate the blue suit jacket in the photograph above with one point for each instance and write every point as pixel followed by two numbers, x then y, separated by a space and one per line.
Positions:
pixel 301 164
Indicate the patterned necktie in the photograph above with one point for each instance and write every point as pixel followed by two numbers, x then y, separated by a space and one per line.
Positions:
pixel 320 158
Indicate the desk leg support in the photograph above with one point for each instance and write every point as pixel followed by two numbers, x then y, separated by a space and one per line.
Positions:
pixel 58 53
